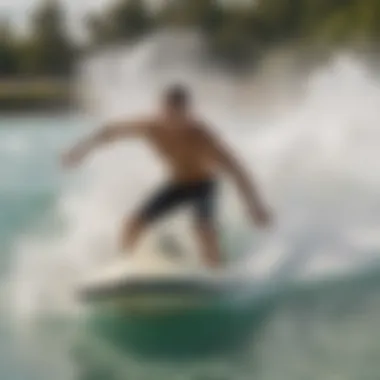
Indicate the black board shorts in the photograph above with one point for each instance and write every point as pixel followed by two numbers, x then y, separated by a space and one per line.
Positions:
pixel 199 195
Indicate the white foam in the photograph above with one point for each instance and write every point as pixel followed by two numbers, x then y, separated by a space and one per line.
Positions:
pixel 317 165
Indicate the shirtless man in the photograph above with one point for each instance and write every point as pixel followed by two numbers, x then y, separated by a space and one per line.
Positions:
pixel 194 157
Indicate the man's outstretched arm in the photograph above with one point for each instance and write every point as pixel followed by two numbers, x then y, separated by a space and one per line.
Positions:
pixel 227 161
pixel 108 134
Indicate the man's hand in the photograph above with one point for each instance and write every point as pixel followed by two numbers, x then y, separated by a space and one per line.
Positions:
pixel 260 214
pixel 108 134
pixel 73 157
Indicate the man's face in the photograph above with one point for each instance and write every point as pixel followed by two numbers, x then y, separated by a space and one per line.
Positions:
pixel 172 108
pixel 176 101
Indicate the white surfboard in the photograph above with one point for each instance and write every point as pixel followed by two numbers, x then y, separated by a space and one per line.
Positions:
pixel 154 279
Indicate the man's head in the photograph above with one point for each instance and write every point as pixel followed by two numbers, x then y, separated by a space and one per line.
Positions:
pixel 177 98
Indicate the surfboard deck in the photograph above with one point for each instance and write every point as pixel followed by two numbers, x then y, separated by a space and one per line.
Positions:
pixel 134 286
pixel 137 289
pixel 150 278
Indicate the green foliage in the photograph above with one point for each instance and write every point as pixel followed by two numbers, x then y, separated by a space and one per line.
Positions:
pixel 49 49
pixel 204 14
pixel 126 20
pixel 280 19
pixel 238 40
pixel 237 33
pixel 8 56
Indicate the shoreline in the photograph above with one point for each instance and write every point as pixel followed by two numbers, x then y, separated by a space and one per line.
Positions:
pixel 37 95
pixel 69 112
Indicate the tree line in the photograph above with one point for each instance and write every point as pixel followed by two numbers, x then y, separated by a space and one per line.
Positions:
pixel 237 33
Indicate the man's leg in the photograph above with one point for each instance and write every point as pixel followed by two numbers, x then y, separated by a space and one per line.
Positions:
pixel 208 239
pixel 165 200
pixel 205 227
pixel 131 233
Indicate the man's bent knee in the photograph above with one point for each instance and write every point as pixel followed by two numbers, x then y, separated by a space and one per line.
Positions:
pixel 132 231
pixel 209 242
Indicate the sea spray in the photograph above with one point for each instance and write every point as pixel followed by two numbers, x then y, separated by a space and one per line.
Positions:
pixel 315 165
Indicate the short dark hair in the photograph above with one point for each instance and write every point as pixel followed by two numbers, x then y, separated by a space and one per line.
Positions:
pixel 178 95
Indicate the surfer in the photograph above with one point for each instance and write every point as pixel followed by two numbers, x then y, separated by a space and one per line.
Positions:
pixel 194 156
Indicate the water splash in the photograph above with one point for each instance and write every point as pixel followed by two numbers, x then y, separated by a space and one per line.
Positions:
pixel 316 164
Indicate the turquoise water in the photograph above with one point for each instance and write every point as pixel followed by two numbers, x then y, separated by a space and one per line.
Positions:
pixel 30 179
pixel 323 330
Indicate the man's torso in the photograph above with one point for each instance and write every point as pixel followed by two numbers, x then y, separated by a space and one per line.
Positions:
pixel 183 149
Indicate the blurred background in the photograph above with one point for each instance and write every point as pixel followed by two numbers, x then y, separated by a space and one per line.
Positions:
pixel 292 86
